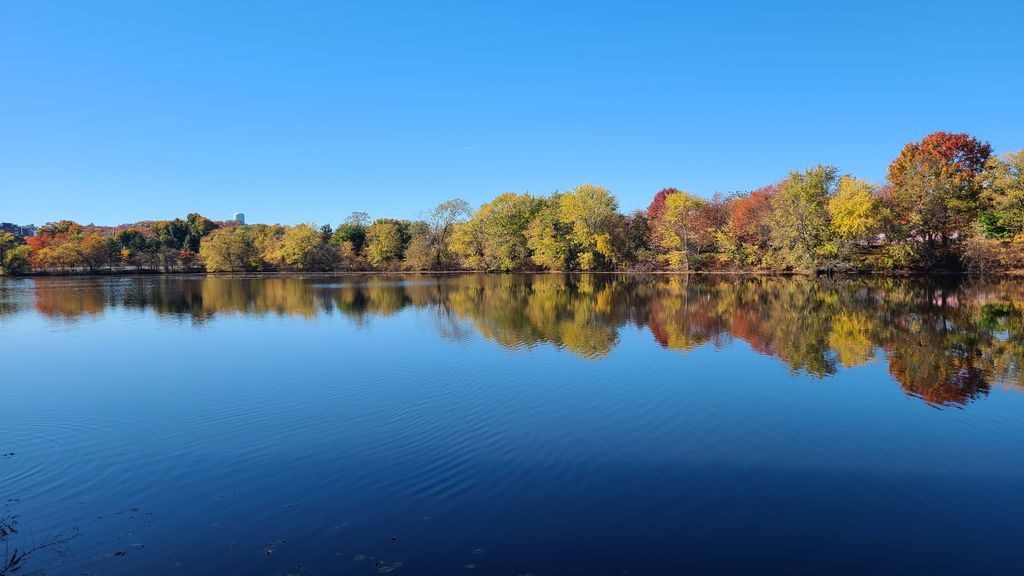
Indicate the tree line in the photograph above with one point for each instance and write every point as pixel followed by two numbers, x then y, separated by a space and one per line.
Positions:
pixel 948 204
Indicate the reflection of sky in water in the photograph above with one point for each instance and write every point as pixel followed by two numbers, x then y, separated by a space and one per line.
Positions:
pixel 589 425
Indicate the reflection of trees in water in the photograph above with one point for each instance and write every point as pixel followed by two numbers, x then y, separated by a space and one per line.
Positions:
pixel 946 343
pixel 14 296
pixel 70 300
pixel 579 313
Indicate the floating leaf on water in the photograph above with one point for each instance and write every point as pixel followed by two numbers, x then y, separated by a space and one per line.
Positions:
pixel 388 568
pixel 269 547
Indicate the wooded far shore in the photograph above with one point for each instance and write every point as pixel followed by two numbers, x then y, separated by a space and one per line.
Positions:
pixel 949 205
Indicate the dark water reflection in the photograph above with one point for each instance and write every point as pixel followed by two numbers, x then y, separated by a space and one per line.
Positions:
pixel 517 424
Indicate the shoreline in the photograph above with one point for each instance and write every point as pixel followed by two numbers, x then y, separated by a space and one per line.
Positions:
pixel 309 274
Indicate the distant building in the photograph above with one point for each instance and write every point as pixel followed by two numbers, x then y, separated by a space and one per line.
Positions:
pixel 17 230
pixel 239 217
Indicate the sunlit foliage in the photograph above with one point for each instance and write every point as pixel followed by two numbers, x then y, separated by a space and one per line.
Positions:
pixel 949 205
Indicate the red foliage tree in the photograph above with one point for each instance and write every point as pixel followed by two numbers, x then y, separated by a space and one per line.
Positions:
pixel 709 219
pixel 962 156
pixel 657 209
pixel 748 215
pixel 935 188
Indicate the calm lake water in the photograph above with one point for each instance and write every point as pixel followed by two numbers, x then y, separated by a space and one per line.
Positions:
pixel 514 424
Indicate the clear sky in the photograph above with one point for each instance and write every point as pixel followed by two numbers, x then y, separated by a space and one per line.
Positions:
pixel 114 112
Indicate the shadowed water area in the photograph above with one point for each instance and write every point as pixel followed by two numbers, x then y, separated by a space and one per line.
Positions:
pixel 516 424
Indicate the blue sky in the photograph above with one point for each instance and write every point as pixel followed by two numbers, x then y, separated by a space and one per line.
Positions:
pixel 114 112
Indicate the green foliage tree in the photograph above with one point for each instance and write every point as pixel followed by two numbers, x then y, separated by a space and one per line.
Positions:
pixel 66 227
pixel 14 254
pixel 495 237
pixel 800 229
pixel 236 249
pixel 353 232
pixel 1002 196
pixel 548 236
pixel 386 240
pixel 303 247
pixel 198 227
pixel 171 233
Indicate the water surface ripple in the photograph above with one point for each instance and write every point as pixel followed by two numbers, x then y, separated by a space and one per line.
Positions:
pixel 517 424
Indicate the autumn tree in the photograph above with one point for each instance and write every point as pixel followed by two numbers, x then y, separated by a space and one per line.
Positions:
pixel 656 209
pixel 800 229
pixel 676 232
pixel 495 237
pixel 747 232
pixel 98 250
pixel 235 249
pixel 708 223
pixel 853 215
pixel 386 240
pixel 14 254
pixel 1002 196
pixel 303 247
pixel 934 192
pixel 65 227
pixel 443 220
pixel 421 252
pixel 132 244
pixel 66 256
pixel 172 234
pixel 632 242
pixel 591 212
pixel 548 236
pixel 854 209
